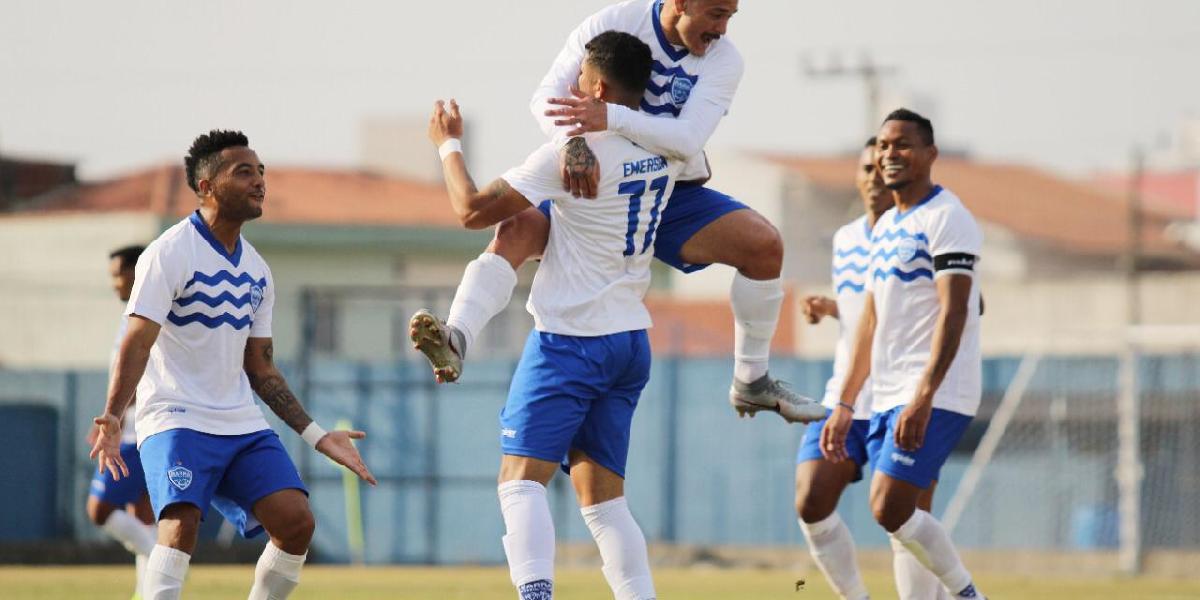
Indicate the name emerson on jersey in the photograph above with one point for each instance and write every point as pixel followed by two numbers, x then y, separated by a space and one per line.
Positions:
pixel 646 165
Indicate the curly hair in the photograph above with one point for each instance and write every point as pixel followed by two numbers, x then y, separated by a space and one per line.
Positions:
pixel 203 157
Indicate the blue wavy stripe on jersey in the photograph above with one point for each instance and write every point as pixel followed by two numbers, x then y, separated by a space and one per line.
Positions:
pixel 220 276
pixel 859 250
pixel 662 69
pixel 656 109
pixel 902 275
pixel 895 252
pixel 201 297
pixel 658 90
pixel 211 322
pixel 838 270
pixel 850 285
pixel 899 234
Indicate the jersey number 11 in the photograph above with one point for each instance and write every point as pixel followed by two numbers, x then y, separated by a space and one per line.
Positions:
pixel 635 189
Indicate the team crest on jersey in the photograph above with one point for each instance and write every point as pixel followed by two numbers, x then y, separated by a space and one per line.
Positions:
pixel 180 477
pixel 681 88
pixel 256 296
pixel 906 250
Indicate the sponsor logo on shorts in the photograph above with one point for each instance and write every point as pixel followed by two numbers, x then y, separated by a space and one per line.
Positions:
pixel 508 433
pixel 903 459
pixel 180 477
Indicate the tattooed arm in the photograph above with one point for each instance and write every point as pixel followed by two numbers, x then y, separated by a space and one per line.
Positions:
pixel 580 171
pixel 475 209
pixel 268 383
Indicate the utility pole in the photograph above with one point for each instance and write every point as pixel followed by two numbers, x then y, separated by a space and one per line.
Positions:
pixel 867 71
pixel 1129 424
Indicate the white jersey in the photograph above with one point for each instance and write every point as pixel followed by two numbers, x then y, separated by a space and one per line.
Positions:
pixel 685 98
pixel 910 250
pixel 127 430
pixel 208 303
pixel 596 266
pixel 851 259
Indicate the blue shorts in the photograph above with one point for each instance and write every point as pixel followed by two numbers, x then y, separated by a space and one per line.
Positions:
pixel 578 393
pixel 128 489
pixel 231 472
pixel 856 443
pixel 689 209
pixel 920 468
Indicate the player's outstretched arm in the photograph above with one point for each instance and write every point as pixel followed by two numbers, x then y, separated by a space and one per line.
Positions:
pixel 475 209
pixel 268 383
pixel 127 372
pixel 833 435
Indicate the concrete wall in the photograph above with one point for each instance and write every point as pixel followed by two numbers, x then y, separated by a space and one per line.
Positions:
pixel 57 307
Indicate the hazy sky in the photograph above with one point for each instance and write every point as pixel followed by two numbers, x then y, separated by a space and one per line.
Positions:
pixel 116 85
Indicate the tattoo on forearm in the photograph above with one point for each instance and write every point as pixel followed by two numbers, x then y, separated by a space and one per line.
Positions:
pixel 275 393
pixel 579 158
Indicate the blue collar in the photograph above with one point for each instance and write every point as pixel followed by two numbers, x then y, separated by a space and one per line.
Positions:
pixel 208 236
pixel 667 46
pixel 900 214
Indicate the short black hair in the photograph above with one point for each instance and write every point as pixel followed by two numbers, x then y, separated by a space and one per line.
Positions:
pixel 206 149
pixel 622 58
pixel 128 255
pixel 924 126
pixel 871 142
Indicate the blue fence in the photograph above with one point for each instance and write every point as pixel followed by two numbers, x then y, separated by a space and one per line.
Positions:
pixel 697 474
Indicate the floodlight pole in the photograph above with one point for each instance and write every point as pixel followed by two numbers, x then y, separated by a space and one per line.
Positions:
pixel 1129 459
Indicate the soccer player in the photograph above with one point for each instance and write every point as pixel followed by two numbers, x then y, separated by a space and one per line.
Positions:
pixel 200 332
pixel 121 507
pixel 695 75
pixel 572 397
pixel 820 482
pixel 918 340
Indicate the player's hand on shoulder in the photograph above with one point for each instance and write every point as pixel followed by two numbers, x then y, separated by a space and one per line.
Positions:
pixel 106 449
pixel 337 445
pixel 445 123
pixel 581 111
pixel 579 168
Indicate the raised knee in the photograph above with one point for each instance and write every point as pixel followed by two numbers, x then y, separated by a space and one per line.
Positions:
pixel 98 513
pixel 521 237
pixel 762 255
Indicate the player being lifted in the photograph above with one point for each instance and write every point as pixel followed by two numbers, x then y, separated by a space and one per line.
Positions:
pixel 134 525
pixel 200 331
pixel 918 340
pixel 820 482
pixel 585 363
pixel 695 75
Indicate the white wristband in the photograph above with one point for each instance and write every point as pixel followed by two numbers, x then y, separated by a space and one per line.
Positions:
pixel 312 434
pixel 450 146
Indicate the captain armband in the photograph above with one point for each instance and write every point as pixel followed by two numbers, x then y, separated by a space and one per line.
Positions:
pixel 955 262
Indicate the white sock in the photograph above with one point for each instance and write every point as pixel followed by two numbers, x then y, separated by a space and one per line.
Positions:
pixel 131 532
pixel 139 566
pixel 756 307
pixel 913 580
pixel 832 548
pixel 276 574
pixel 928 542
pixel 622 548
pixel 484 291
pixel 529 539
pixel 165 571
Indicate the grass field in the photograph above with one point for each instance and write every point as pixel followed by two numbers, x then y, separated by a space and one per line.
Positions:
pixel 489 583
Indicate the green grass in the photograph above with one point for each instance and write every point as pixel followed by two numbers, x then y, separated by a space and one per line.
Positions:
pixel 488 583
